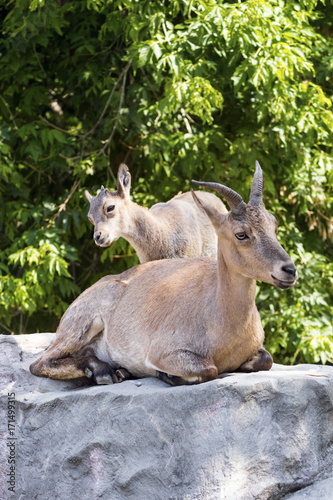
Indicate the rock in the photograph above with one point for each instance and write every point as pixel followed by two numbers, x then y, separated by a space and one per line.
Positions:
pixel 260 436
pixel 317 491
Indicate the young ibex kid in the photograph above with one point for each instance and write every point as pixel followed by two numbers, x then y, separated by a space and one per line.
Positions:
pixel 169 230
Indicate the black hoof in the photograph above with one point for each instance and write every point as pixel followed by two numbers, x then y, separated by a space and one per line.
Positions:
pixel 123 374
pixel 261 361
pixel 172 379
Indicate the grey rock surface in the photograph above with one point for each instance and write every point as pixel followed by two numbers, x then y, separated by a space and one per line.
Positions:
pixel 317 491
pixel 264 436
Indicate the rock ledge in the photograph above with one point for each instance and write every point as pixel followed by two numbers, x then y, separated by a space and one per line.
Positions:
pixel 263 436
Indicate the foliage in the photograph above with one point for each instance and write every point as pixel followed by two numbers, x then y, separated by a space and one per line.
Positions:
pixel 178 89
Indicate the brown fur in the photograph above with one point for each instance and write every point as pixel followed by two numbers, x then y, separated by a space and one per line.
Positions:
pixel 184 320
pixel 176 229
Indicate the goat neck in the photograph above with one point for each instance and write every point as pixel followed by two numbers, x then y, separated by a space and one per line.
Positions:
pixel 144 232
pixel 235 292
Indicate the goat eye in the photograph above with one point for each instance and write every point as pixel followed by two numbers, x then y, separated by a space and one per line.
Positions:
pixel 110 208
pixel 241 236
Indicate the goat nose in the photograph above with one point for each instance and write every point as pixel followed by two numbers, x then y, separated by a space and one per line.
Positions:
pixel 290 269
pixel 97 236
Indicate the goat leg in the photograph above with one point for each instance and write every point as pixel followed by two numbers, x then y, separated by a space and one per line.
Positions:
pixel 183 367
pixel 260 361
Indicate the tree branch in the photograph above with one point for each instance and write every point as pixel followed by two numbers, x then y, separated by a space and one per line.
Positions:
pixel 107 142
pixel 39 172
pixel 109 99
pixel 56 127
pixel 9 111
pixel 5 327
pixel 38 60
pixel 63 205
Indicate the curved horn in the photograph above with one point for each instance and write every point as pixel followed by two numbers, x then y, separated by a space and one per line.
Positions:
pixel 234 200
pixel 257 187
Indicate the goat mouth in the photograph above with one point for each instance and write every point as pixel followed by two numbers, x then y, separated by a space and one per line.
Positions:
pixel 284 284
pixel 105 242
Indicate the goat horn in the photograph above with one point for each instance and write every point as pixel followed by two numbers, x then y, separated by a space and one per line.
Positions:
pixel 257 187
pixel 235 201
pixel 102 188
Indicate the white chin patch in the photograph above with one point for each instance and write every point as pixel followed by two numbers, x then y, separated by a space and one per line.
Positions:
pixel 105 243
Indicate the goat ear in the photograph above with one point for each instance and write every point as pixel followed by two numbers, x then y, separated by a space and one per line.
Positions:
pixel 88 196
pixel 211 212
pixel 124 181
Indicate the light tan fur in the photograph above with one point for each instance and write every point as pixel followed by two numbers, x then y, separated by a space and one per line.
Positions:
pixel 184 320
pixel 169 230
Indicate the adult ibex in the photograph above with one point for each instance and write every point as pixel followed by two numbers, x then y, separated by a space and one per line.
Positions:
pixel 177 228
pixel 183 320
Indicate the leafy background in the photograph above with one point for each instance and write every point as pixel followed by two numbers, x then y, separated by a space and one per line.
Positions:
pixel 177 90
